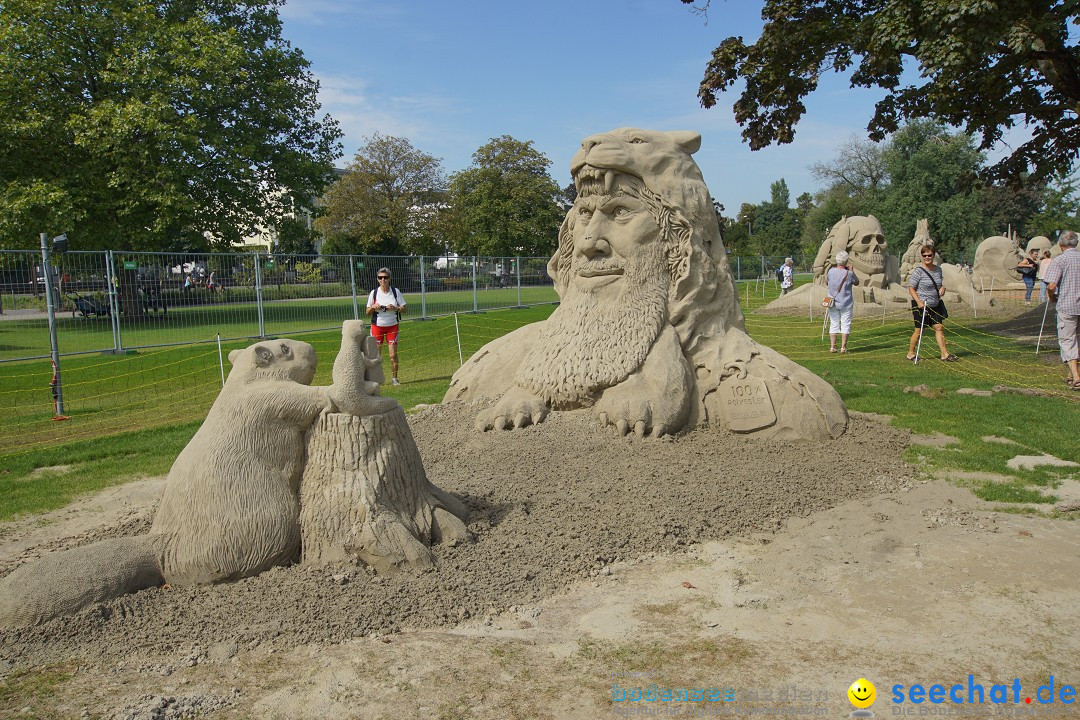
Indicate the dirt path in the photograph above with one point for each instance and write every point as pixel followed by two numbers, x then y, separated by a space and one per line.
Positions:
pixel 705 561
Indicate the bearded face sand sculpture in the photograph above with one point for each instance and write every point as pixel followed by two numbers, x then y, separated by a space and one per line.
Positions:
pixel 648 336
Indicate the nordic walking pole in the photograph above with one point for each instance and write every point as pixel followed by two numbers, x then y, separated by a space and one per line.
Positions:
pixel 824 322
pixel 1046 306
pixel 922 329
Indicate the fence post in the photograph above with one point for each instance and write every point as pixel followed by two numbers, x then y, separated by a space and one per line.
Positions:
pixel 738 268
pixel 517 264
pixel 457 333
pixel 762 266
pixel 221 360
pixel 114 305
pixel 50 306
pixel 423 290
pixel 352 283
pixel 475 307
pixel 258 296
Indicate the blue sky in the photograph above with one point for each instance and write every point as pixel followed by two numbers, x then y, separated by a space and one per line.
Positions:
pixel 452 75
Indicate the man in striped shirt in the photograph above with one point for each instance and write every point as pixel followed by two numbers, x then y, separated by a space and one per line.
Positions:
pixel 1063 285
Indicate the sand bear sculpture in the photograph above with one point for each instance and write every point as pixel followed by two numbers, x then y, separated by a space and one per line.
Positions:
pixel 648 335
pixel 230 506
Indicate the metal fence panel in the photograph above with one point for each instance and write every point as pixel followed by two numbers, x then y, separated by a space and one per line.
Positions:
pixel 115 301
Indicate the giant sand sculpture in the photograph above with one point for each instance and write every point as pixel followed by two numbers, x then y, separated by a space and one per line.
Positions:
pixel 1043 243
pixel 649 335
pixel 277 464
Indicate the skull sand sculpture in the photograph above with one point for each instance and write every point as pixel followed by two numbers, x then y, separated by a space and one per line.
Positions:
pixel 648 336
pixel 862 238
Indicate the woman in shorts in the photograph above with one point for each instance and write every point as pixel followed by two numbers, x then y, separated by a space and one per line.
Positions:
pixel 926 290
pixel 840 279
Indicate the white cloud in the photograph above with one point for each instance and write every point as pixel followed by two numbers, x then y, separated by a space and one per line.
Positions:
pixel 361 110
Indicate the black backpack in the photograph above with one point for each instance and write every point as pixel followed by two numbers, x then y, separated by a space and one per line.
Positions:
pixel 780 273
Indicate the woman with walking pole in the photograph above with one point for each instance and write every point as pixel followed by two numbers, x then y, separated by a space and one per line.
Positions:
pixel 927 306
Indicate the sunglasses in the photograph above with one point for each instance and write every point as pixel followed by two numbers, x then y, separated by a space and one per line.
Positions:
pixel 383 277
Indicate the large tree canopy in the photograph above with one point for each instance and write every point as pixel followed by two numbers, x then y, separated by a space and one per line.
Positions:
pixel 506 203
pixel 923 171
pixel 985 66
pixel 154 124
pixel 384 204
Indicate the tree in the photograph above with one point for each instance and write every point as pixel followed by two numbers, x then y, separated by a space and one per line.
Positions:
pixel 294 238
pixel 984 66
pixel 859 169
pixel 165 125
pixel 776 227
pixel 382 204
pixel 1059 209
pixel 506 203
pixel 930 172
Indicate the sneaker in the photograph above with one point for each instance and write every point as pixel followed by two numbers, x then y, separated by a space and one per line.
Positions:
pixel 395 381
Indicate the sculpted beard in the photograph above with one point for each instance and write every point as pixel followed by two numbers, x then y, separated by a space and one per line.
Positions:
pixel 590 344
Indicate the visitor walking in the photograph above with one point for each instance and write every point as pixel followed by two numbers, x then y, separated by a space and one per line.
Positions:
pixel 387 304
pixel 927 306
pixel 1029 268
pixel 1044 265
pixel 1063 286
pixel 840 280
pixel 789 276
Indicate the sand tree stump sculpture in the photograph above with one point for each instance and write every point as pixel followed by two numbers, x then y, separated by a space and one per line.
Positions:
pixel 364 495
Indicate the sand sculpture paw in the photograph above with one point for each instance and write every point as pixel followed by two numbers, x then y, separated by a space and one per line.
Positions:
pixel 627 409
pixel 518 408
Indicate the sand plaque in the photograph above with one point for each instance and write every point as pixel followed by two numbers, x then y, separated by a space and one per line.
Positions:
pixel 746 403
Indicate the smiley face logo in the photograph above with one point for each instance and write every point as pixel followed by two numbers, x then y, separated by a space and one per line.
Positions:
pixel 862 693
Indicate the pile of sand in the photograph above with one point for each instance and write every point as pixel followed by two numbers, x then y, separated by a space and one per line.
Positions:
pixel 550 504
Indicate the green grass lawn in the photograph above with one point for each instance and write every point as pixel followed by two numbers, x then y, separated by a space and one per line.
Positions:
pixel 132 414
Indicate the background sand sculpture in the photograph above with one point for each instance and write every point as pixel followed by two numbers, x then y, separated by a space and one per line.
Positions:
pixel 995 262
pixel 957 280
pixel 640 251
pixel 230 505
pixel 862 238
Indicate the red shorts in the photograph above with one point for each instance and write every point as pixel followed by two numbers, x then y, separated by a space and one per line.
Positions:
pixel 384 334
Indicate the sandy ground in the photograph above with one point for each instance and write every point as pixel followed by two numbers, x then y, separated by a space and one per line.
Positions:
pixel 778 574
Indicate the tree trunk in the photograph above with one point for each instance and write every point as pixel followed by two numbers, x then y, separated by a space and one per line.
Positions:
pixel 364 495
